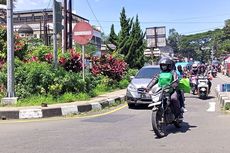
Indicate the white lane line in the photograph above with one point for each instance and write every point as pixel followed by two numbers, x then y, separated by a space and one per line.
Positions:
pixel 212 107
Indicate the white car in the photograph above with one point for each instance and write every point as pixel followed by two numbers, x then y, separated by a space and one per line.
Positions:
pixel 140 82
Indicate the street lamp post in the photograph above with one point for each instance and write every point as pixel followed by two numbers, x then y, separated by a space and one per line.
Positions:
pixel 10 99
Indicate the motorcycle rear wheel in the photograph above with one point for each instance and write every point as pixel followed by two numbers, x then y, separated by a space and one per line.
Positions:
pixel 158 123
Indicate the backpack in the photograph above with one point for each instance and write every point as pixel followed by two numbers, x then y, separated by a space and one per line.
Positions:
pixel 165 78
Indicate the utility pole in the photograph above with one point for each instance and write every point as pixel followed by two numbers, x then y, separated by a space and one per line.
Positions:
pixel 54 34
pixel 10 99
pixel 64 32
pixel 45 27
pixel 212 53
pixel 70 25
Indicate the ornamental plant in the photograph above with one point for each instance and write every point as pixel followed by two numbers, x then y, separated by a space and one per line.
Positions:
pixel 20 47
pixel 73 62
pixel 109 66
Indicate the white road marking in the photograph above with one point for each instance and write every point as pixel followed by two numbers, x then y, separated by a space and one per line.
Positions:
pixel 212 107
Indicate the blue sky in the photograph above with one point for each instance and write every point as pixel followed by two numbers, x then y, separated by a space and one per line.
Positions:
pixel 186 16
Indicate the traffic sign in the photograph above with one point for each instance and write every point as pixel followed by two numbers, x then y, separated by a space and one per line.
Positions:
pixel 82 33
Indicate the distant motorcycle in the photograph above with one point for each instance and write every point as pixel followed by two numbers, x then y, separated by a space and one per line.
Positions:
pixel 163 110
pixel 202 86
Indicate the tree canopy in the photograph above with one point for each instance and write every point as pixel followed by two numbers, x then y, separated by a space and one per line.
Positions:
pixel 191 45
pixel 129 41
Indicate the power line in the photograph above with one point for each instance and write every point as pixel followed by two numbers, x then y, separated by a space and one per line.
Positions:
pixel 203 30
pixel 166 22
pixel 202 17
pixel 94 15
pixel 48 4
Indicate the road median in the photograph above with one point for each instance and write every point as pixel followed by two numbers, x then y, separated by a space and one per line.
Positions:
pixel 97 103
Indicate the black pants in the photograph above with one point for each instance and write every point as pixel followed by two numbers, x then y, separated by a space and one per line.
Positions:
pixel 209 85
pixel 180 94
pixel 176 104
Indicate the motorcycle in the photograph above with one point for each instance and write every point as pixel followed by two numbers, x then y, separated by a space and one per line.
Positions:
pixel 203 88
pixel 163 110
pixel 193 84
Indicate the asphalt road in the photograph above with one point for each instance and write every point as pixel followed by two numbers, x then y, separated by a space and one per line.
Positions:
pixel 205 130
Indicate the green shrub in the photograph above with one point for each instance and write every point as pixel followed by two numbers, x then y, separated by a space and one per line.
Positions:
pixel 40 78
pixel 101 89
pixel 82 96
pixel 67 97
pixel 36 100
pixel 40 52
pixel 227 106
pixel 129 73
pixel 123 84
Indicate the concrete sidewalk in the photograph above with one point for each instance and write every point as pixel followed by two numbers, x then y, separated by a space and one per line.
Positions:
pixel 96 103
pixel 224 77
pixel 223 97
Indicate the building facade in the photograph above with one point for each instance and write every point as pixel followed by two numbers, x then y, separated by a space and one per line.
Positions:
pixel 41 21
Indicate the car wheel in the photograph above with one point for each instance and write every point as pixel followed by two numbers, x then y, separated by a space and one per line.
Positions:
pixel 131 105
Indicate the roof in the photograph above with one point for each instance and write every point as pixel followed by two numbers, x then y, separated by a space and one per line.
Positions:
pixel 25 28
pixel 44 10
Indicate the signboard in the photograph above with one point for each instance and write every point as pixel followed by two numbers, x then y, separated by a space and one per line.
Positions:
pixel 82 33
pixel 156 37
pixel 156 52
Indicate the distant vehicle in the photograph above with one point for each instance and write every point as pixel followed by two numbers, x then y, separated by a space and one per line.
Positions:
pixel 184 64
pixel 196 62
pixel 215 62
pixel 139 83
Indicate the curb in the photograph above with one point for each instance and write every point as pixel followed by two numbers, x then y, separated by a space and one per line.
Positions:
pixel 59 111
pixel 222 97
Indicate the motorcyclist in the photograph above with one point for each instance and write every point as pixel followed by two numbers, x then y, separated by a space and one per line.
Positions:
pixel 166 76
pixel 185 71
pixel 181 74
pixel 202 70
pixel 194 69
pixel 193 75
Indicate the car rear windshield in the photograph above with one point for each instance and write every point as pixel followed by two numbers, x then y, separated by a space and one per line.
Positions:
pixel 147 72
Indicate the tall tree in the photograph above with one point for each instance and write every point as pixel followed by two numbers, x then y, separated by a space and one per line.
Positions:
pixel 126 24
pixel 130 41
pixel 173 39
pixel 135 55
pixel 113 38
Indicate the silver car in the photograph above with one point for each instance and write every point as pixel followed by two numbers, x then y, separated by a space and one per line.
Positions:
pixel 140 82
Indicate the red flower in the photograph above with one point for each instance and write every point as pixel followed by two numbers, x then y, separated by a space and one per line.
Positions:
pixel 34 59
pixel 62 60
pixel 48 57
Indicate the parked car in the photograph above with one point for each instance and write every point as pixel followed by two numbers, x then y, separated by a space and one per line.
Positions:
pixel 140 82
